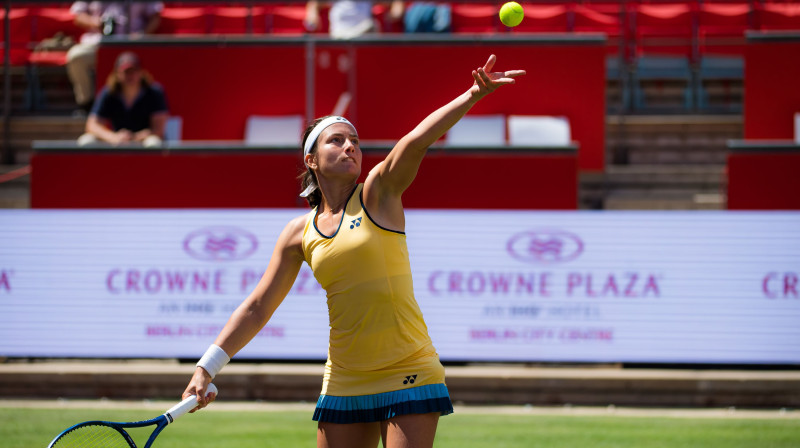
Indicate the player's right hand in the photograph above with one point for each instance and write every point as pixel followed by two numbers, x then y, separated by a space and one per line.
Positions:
pixel 199 386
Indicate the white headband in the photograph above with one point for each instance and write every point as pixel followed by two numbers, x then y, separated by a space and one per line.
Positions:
pixel 314 134
pixel 312 139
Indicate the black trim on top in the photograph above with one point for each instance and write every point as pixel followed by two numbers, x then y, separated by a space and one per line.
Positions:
pixel 341 220
pixel 364 207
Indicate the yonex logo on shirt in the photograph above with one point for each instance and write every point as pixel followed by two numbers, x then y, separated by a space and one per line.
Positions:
pixel 355 223
pixel 410 379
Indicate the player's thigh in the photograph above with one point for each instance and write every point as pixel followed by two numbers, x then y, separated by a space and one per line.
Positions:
pixel 410 431
pixel 348 435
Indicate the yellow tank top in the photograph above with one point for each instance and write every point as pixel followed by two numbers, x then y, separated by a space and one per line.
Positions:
pixel 375 321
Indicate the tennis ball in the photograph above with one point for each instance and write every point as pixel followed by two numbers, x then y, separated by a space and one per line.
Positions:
pixel 511 14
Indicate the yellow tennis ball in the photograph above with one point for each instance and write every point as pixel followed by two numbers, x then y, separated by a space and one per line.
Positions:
pixel 511 14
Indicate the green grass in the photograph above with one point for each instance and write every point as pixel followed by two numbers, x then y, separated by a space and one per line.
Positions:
pixel 30 428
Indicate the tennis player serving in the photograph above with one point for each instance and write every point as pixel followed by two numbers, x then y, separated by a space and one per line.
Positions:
pixel 383 379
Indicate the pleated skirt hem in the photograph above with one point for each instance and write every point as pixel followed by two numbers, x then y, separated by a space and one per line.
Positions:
pixel 383 406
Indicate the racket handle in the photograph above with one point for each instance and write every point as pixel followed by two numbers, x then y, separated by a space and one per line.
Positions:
pixel 186 405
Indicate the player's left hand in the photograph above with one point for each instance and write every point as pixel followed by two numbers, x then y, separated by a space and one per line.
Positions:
pixel 487 81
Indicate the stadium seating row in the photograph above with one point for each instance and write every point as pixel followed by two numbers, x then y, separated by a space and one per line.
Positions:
pixel 686 28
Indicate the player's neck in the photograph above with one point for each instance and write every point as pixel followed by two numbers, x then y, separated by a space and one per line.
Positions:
pixel 334 199
pixel 333 208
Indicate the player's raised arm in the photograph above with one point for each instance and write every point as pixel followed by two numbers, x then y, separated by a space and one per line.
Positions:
pixel 396 173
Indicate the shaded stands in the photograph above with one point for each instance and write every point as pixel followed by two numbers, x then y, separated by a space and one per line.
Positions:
pixel 309 76
pixel 233 175
pixel 38 40
pixel 702 43
pixel 690 55
pixel 662 56
pixel 662 162
pixel 764 168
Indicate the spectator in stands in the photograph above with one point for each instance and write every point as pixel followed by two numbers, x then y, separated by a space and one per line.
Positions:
pixel 350 18
pixel 130 108
pixel 427 17
pixel 99 19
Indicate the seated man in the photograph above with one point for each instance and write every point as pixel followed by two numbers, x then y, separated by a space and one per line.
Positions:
pixel 350 18
pixel 99 19
pixel 130 108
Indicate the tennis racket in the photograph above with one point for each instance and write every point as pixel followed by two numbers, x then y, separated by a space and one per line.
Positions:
pixel 101 434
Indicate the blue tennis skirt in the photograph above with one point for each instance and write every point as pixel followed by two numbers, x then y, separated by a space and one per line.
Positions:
pixel 383 406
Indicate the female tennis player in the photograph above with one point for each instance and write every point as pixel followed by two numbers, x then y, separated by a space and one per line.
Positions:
pixel 383 379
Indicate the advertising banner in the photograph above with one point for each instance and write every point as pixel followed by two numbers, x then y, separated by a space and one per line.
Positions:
pixel 529 286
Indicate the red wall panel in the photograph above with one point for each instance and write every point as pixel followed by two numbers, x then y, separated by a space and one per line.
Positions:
pixel 117 178
pixel 492 180
pixel 772 92
pixel 763 180
pixel 399 86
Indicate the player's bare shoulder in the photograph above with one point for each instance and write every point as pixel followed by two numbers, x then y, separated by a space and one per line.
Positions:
pixel 297 225
pixel 292 236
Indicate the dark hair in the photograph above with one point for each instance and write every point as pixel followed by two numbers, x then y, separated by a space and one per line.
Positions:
pixel 308 177
pixel 114 84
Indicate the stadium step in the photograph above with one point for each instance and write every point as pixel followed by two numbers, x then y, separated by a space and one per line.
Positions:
pixel 15 190
pixel 40 90
pixel 24 129
pixel 655 187
pixel 670 139
pixel 469 384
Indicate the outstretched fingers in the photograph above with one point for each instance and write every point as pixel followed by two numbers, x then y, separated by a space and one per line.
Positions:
pixel 508 77
pixel 487 81
pixel 485 77
pixel 490 63
pixel 479 81
pixel 514 73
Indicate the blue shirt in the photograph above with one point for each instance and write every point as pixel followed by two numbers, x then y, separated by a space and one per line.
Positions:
pixel 111 106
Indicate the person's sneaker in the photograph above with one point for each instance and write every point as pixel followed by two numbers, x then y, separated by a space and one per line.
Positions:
pixel 83 109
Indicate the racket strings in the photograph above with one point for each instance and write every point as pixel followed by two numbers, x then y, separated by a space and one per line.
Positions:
pixel 93 436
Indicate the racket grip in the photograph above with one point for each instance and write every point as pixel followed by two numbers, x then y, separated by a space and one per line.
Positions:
pixel 186 405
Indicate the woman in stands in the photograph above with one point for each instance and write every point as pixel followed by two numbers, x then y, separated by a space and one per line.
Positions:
pixel 131 108
pixel 383 379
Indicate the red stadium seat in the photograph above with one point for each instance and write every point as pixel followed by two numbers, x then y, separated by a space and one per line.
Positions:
pixel 20 20
pixel 778 16
pixel 543 19
pixel 288 19
pixel 234 20
pixel 664 28
pixel 47 22
pixel 475 18
pixel 381 14
pixel 184 20
pixel 604 18
pixel 721 27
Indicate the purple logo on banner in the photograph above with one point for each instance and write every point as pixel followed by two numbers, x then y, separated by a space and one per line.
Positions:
pixel 545 246
pixel 220 244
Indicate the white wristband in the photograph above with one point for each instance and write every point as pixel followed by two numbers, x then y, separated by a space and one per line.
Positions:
pixel 213 360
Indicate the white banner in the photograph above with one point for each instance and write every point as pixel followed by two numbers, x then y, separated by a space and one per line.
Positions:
pixel 660 287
